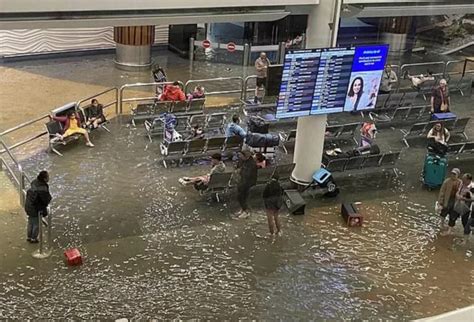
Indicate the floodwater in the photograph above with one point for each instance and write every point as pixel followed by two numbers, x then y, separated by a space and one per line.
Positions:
pixel 153 249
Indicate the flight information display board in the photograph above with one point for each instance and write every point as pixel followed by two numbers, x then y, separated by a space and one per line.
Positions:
pixel 330 80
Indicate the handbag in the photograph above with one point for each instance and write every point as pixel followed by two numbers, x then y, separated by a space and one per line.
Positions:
pixel 460 207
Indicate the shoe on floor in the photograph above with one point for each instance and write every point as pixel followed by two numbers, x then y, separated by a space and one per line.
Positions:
pixel 243 215
pixel 34 241
pixel 182 181
pixel 28 240
pixel 89 144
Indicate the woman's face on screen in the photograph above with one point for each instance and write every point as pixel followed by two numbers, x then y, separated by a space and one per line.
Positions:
pixel 356 87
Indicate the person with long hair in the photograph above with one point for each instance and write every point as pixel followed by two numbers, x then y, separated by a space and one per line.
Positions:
pixel 356 90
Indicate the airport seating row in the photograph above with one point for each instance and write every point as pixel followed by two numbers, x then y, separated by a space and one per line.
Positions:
pixel 223 182
pixel 150 111
pixel 455 127
pixel 400 114
pixel 385 160
pixel 333 133
pixel 55 128
pixel 198 148
pixel 394 100
pixel 456 149
pixel 213 122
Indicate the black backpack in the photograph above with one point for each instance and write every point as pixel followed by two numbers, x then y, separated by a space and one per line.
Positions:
pixel 257 124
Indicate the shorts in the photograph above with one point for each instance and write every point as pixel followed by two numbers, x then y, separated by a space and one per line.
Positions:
pixel 261 81
pixel 273 203
pixel 70 132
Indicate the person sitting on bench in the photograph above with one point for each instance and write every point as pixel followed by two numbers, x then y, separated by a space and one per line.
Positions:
pixel 234 128
pixel 197 133
pixel 197 93
pixel 438 138
pixel 96 114
pixel 260 160
pixel 173 93
pixel 72 125
pixel 417 80
pixel 201 182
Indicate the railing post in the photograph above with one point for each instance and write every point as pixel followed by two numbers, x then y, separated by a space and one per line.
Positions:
pixel 303 40
pixel 246 55
pixel 281 52
pixel 43 253
pixel 22 188
pixel 116 101
pixel 191 53
pixel 120 100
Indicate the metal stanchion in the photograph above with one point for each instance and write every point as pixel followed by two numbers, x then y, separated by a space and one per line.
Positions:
pixel 191 54
pixel 22 187
pixel 303 41
pixel 281 52
pixel 43 252
pixel 246 55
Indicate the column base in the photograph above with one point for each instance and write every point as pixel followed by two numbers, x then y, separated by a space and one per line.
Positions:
pixel 133 58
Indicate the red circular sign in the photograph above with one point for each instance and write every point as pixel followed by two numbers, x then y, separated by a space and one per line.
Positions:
pixel 206 43
pixel 231 47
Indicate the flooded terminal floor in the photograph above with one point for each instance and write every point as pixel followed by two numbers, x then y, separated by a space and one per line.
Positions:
pixel 154 249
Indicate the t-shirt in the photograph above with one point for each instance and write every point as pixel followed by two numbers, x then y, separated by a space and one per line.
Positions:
pixel 73 124
pixel 387 79
pixel 218 168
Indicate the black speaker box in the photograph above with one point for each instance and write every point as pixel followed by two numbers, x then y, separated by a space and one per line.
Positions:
pixel 294 202
pixel 351 215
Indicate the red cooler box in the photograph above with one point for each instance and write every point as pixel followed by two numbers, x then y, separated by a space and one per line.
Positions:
pixel 73 257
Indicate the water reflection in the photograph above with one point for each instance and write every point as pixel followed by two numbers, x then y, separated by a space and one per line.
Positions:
pixel 153 249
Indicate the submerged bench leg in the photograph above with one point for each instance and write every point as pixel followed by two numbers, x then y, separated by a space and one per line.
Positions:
pixel 105 128
pixel 56 151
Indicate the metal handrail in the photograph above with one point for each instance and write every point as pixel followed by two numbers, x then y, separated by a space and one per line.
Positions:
pixel 24 141
pixel 218 79
pixel 115 89
pixel 122 88
pixel 22 125
pixel 246 81
pixel 404 66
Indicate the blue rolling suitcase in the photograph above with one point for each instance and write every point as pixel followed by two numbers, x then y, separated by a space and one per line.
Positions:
pixel 434 171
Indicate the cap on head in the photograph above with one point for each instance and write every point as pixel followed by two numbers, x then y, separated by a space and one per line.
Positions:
pixel 456 171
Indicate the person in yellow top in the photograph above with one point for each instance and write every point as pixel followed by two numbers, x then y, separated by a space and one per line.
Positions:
pixel 72 125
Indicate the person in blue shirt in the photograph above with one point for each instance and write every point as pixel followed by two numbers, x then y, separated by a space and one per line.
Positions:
pixel 234 128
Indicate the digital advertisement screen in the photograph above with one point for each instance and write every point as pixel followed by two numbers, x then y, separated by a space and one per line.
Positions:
pixel 330 80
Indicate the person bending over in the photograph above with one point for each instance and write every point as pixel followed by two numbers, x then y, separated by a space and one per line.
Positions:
pixel 462 207
pixel 96 114
pixel 248 179
pixel 201 182
pixel 72 125
pixel 235 129
pixel 447 194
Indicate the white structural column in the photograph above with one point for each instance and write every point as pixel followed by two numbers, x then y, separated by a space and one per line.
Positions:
pixel 310 129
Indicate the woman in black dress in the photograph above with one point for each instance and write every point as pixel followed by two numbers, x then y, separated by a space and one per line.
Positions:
pixel 273 200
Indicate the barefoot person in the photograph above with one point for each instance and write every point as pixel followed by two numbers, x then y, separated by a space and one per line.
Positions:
pixel 96 114
pixel 72 125
pixel 201 182
pixel 273 200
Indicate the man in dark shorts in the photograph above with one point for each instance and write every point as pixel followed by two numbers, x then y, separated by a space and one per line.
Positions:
pixel 273 200
pixel 261 67
pixel 248 179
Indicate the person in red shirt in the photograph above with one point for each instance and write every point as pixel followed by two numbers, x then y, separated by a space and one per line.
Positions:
pixel 173 93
